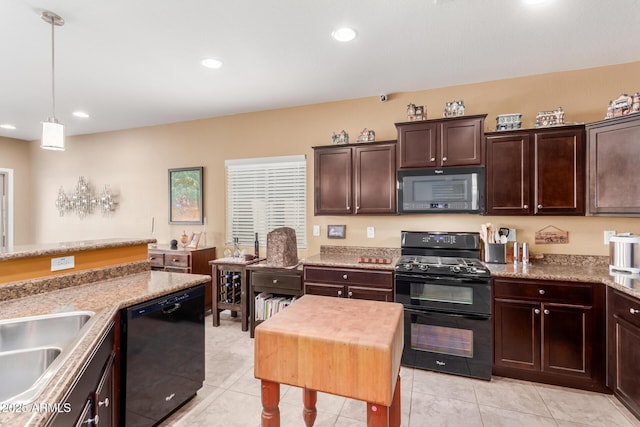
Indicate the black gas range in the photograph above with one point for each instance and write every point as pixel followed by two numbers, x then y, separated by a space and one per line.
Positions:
pixel 446 292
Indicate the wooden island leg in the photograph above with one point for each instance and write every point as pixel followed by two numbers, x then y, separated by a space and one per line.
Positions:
pixel 396 410
pixel 309 413
pixel 270 401
pixel 377 415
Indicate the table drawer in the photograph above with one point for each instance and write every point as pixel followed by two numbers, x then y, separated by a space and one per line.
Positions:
pixel 559 292
pixel 349 276
pixel 176 260
pixel 156 259
pixel 282 281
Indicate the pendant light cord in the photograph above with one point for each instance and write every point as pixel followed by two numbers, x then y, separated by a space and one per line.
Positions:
pixel 53 71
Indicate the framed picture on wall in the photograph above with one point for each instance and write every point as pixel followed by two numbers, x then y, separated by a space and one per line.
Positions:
pixel 336 231
pixel 185 196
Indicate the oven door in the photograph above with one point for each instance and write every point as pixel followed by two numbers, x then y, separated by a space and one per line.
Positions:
pixel 444 293
pixel 453 343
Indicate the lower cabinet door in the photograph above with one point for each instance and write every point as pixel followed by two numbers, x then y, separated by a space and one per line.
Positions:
pixel 372 294
pixel 566 342
pixel 627 371
pixel 324 289
pixel 517 342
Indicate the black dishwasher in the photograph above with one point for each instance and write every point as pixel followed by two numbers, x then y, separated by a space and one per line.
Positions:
pixel 162 356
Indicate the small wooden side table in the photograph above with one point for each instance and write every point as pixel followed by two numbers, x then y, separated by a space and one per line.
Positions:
pixel 347 347
pixel 230 291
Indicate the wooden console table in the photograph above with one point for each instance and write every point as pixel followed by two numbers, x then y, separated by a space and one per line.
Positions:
pixel 347 347
pixel 229 278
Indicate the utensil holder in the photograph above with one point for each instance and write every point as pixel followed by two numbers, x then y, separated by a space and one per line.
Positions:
pixel 495 253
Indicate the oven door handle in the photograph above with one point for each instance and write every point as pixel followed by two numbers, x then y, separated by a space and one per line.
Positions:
pixel 422 311
pixel 442 279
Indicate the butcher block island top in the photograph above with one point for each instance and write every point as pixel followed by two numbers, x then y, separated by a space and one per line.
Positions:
pixel 347 347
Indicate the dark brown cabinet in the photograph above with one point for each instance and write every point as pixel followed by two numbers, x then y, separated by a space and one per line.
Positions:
pixel 358 179
pixel 194 261
pixel 613 148
pixel 441 142
pixel 550 332
pixel 536 172
pixel 623 375
pixel 374 285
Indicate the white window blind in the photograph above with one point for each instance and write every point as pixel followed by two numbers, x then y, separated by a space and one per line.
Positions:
pixel 264 194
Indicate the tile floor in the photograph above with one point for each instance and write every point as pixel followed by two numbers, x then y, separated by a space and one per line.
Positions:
pixel 231 397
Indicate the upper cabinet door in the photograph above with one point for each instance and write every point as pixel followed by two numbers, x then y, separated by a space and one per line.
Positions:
pixel 333 181
pixel 559 172
pixel 417 143
pixel 375 179
pixel 508 174
pixel 461 141
pixel 614 176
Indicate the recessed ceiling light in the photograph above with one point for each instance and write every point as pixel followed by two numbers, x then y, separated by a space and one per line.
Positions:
pixel 8 126
pixel 344 34
pixel 80 114
pixel 212 63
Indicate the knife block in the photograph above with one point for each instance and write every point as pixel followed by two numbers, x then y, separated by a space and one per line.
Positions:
pixel 495 253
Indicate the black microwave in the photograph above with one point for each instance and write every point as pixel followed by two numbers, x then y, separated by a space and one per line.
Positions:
pixel 446 190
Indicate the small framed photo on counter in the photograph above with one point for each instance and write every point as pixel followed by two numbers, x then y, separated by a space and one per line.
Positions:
pixel 194 240
pixel 336 231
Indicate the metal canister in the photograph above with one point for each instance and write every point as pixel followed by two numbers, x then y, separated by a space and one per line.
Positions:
pixel 525 253
pixel 516 252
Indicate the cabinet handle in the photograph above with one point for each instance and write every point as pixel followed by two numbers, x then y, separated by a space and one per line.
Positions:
pixel 536 311
pixel 634 311
pixel 345 277
pixel 104 403
pixel 539 206
pixel 275 281
pixel 95 420
pixel 444 159
pixel 339 293
pixel 541 291
pixel 546 311
pixel 350 294
pixel 525 207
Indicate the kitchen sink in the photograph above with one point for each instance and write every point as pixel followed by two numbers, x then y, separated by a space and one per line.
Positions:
pixel 21 369
pixel 32 349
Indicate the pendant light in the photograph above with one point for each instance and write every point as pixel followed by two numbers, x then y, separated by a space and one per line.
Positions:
pixel 52 129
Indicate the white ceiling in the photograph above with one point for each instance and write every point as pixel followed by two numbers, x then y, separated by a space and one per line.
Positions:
pixel 132 63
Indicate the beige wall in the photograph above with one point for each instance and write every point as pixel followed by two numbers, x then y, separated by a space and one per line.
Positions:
pixel 14 155
pixel 135 162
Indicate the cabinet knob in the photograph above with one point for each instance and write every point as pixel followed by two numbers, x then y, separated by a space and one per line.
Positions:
pixel 433 159
pixel 444 159
pixel 525 206
pixel 539 206
pixel 339 293
pixel 350 294
pixel 546 311
pixel 104 403
pixel 345 277
pixel 634 311
pixel 348 207
pixel 151 258
pixel 95 420
pixel 174 260
pixel 275 281
pixel 439 363
pixel 536 311
pixel 541 291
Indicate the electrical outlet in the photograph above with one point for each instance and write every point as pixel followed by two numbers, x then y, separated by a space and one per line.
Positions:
pixel 512 235
pixel 316 230
pixel 371 232
pixel 62 263
pixel 607 235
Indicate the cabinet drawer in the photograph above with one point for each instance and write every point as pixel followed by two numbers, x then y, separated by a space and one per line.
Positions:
pixel 173 269
pixel 347 276
pixel 559 292
pixel 282 281
pixel 156 259
pixel 176 260
pixel 625 307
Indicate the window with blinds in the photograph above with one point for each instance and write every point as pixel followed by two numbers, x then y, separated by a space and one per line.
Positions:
pixel 264 194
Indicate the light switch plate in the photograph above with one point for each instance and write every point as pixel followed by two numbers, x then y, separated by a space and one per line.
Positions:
pixel 316 230
pixel 371 232
pixel 607 235
pixel 62 263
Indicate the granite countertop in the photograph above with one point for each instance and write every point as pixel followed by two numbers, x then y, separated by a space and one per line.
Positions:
pixel 347 256
pixel 27 251
pixel 625 282
pixel 105 298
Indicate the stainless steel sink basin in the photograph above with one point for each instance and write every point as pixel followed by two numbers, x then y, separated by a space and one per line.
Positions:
pixel 22 368
pixel 50 330
pixel 32 349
